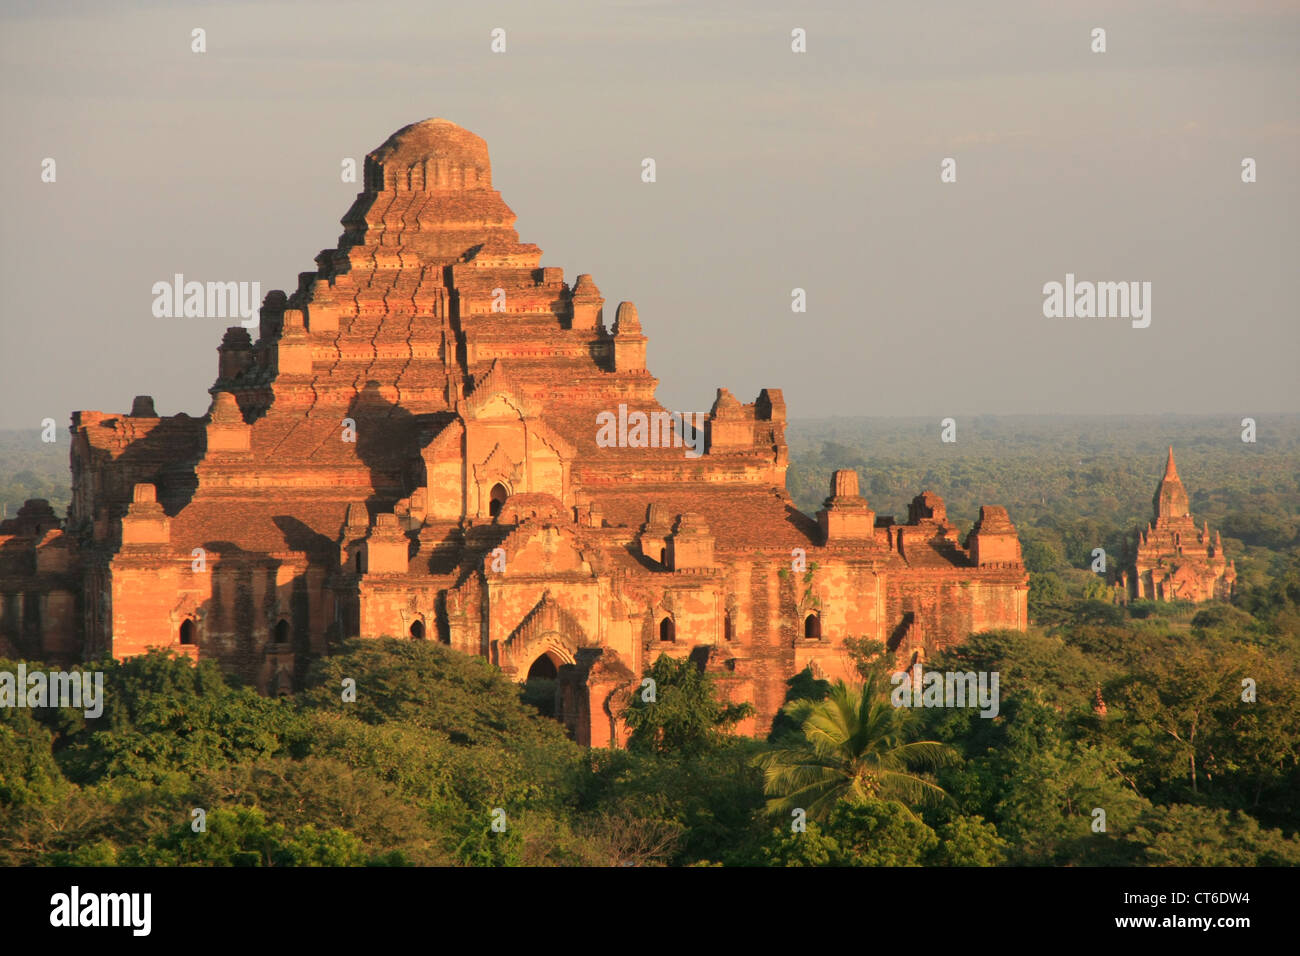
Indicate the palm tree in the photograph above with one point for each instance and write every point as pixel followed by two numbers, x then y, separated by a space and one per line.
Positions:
pixel 857 747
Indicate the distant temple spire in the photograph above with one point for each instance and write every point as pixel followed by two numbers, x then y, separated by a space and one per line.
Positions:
pixel 1166 566
pixel 1171 497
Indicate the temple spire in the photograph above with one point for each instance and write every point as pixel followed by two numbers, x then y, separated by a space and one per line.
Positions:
pixel 1175 558
pixel 1171 497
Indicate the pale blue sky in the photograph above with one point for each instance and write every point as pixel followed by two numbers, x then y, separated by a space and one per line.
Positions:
pixel 775 170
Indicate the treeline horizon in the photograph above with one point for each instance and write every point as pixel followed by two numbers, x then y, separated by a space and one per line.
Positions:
pixel 890 451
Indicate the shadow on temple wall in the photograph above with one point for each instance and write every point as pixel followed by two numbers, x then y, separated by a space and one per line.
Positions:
pixel 900 631
pixel 21 627
pixel 321 549
pixel 322 556
pixel 601 350
pixel 802 686
pixel 387 442
pixel 354 222
pixel 251 625
pixel 805 525
pixel 634 552
pixel 166 457
pixel 228 616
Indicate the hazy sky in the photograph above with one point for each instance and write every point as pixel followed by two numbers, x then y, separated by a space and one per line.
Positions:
pixel 775 170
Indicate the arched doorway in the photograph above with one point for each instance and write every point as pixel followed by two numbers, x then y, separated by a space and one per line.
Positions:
pixel 812 627
pixel 544 668
pixel 281 633
pixel 540 685
pixel 417 630
pixel 187 631
pixel 667 630
pixel 497 498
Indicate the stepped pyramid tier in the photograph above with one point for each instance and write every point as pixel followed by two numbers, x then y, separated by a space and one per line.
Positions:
pixel 412 445
pixel 1174 559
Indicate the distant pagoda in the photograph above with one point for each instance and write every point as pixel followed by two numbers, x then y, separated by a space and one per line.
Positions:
pixel 1175 560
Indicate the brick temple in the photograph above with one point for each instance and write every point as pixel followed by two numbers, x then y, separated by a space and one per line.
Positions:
pixel 409 448
pixel 1173 559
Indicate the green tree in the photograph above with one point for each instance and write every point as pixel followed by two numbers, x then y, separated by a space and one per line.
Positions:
pixel 448 725
pixel 869 833
pixel 28 773
pixel 857 747
pixel 969 841
pixel 684 714
pixel 244 837
pixel 1040 787
pixel 1176 709
pixel 162 715
pixel 872 659
pixel 1186 835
